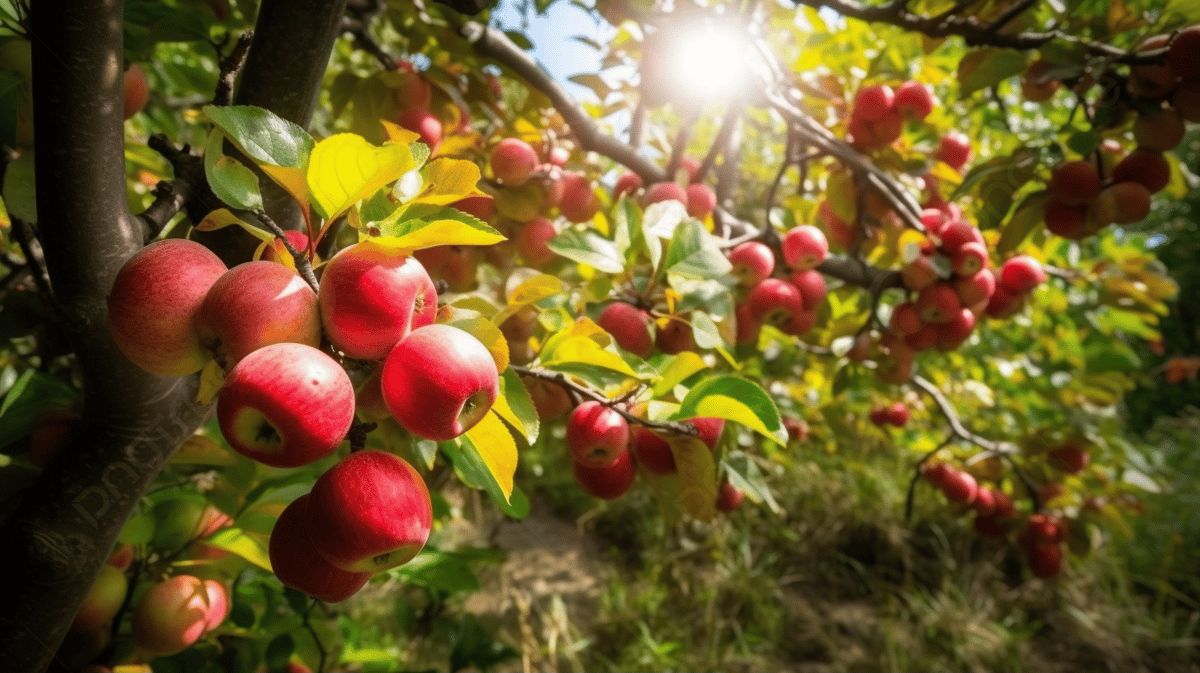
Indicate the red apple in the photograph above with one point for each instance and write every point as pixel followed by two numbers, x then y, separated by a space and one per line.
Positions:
pixel 676 337
pixel 913 100
pixel 1045 561
pixel 1021 274
pixel 805 247
pixel 753 262
pixel 878 416
pixel 1005 304
pixel 1183 58
pixel 938 303
pixel 1159 131
pixel 918 274
pixel 812 287
pixel 629 327
pixel 579 203
pixel 1074 182
pixel 154 304
pixel 959 487
pixel 424 124
pixel 872 103
pixel 665 191
pixel 1068 458
pixel 513 160
pixel 700 200
pixel 532 239
pixel 439 381
pixel 897 414
pixel 627 184
pixel 136 90
pixel 954 148
pixel 1067 221
pixel 297 563
pixel 780 303
pixel 596 435
pixel 972 290
pixel 654 453
pixel 905 319
pixel 412 90
pixel 370 300
pixel 286 405
pixel 1121 203
pixel 299 241
pixel 549 399
pixel 173 614
pixel 122 557
pixel 257 304
pixel 368 513
pixel 729 497
pixel 609 482
pixel 956 331
pixel 1150 169
pixel 1152 80
pixel 1034 86
pixel 1186 101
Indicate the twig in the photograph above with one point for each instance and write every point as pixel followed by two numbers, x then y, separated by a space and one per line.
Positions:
pixel 230 66
pixel 357 23
pixel 681 141
pixel 172 196
pixel 956 427
pixel 358 434
pixel 316 638
pixel 34 261
pixel 303 265
pixel 570 386
pixel 728 122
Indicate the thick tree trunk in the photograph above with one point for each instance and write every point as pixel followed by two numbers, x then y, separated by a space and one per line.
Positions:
pixel 61 533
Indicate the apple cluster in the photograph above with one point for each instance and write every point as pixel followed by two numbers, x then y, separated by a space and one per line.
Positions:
pixel 606 452
pixel 789 304
pixel 413 96
pixel 285 402
pixel 1083 198
pixel 634 330
pixel 878 116
pixel 698 198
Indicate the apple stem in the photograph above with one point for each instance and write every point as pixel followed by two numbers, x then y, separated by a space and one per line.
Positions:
pixel 303 265
pixel 358 434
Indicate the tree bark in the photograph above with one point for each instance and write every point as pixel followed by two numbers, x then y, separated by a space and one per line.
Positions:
pixel 61 533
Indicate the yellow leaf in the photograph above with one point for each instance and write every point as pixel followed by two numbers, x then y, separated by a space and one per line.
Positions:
pixel 681 367
pixel 221 218
pixel 582 326
pixel 243 544
pixel 666 491
pixel 212 377
pixel 345 169
pixel 202 450
pixel 584 350
pixel 490 336
pixel 497 448
pixel 530 292
pixel 399 134
pixel 447 181
pixel 697 477
pixel 293 180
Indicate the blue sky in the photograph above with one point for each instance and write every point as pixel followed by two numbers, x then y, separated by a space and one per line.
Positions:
pixel 551 35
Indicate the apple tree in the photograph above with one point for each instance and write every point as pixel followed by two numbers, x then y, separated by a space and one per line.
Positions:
pixel 278 273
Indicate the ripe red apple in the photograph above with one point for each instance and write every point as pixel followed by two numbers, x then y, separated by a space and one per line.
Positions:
pixel 579 203
pixel 628 183
pixel 1150 169
pixel 1074 182
pixel 913 100
pixel 729 497
pixel 460 269
pixel 103 600
pixel 918 274
pixel 481 207
pixel 122 557
pixel 905 319
pixel 1042 530
pixel 938 303
pixel 1183 58
pixel 872 103
pixel 654 453
pixel 439 381
pixel 257 304
pixel 1068 458
pixel 805 247
pixel 701 200
pixel 970 259
pixel 1021 274
pixel 1005 304
pixel 897 414
pixel 812 287
pixel 512 161
pixel 676 337
pixel 796 427
pixel 1067 221
pixel 665 191
pixel 608 482
pixel 956 234
pixel 286 405
pixel 989 526
pixel 175 613
pixel 1159 131
pixel 959 487
pixel 370 512
pixel 753 262
pixel 975 289
pixel 878 416
pixel 1045 561
pixel 136 90
pixel 532 239
pixel 1152 80
pixel 299 241
pixel 154 304
pixel 1121 203
pixel 596 435
pixel 954 148
pixel 370 300
pixel 780 303
pixel 629 327
pixel 424 124
pixel 297 563
pixel 412 90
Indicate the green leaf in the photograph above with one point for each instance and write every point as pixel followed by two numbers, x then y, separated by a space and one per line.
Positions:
pixel 514 405
pixel 239 542
pixel 744 475
pixel 588 247
pixel 441 571
pixel 19 190
pixel 33 394
pixel 279 650
pixel 265 137
pixel 697 477
pixel 736 400
pixel 693 253
pixel 230 181
pixel 1023 222
pixel 985 67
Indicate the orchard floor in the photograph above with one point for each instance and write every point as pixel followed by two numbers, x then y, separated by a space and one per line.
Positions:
pixel 757 592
